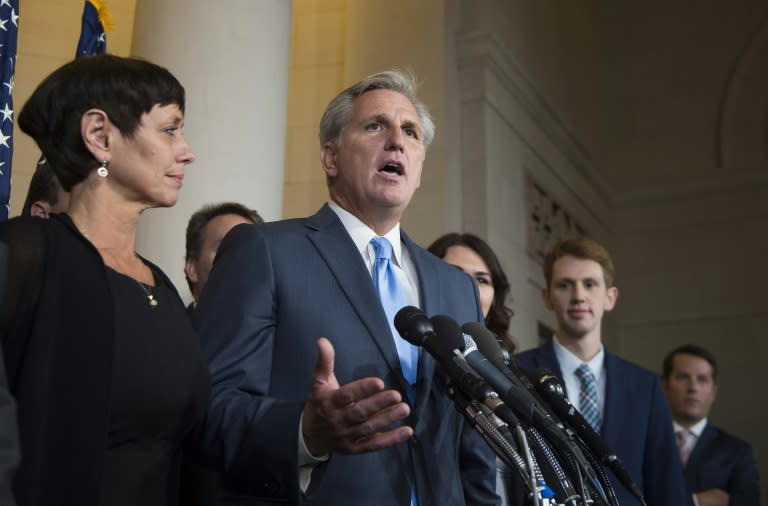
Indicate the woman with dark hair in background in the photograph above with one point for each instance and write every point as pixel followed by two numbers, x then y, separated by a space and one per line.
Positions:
pixel 473 256
pixel 102 360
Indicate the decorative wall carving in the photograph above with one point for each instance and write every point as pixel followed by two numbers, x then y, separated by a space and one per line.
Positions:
pixel 546 220
pixel 742 135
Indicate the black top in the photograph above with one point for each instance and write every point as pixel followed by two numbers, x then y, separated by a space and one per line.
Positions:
pixel 159 394
pixel 65 326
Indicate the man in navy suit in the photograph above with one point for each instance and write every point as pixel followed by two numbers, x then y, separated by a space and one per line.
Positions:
pixel 720 469
pixel 334 421
pixel 630 411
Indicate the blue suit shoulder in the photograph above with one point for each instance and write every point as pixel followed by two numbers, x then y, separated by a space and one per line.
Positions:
pixel 542 356
pixel 446 271
pixel 726 438
pixel 632 371
pixel 269 235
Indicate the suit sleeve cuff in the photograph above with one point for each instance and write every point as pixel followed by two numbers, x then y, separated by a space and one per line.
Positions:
pixel 307 461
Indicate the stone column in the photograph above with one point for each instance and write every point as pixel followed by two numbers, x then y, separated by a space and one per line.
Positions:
pixel 232 57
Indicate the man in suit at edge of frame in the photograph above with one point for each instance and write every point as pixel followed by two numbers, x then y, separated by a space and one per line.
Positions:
pixel 720 469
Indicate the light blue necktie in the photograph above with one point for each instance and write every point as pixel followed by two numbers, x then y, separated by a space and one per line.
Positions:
pixel 393 298
pixel 588 406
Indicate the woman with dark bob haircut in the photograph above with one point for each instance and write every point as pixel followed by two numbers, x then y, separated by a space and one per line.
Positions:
pixel 101 358
pixel 473 256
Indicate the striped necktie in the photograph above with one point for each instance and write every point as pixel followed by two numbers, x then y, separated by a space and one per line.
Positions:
pixel 588 406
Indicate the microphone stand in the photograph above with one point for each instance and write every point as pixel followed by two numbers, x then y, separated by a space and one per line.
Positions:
pixel 570 496
pixel 496 434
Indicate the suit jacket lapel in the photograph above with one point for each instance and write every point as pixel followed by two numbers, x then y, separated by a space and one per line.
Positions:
pixel 429 290
pixel 611 431
pixel 708 435
pixel 338 251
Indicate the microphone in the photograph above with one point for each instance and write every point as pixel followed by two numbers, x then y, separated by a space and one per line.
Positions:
pixel 491 348
pixel 550 387
pixel 529 470
pixel 487 343
pixel 414 326
pixel 514 395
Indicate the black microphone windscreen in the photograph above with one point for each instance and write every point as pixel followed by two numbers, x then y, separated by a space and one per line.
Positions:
pixel 550 382
pixel 485 340
pixel 413 325
pixel 449 333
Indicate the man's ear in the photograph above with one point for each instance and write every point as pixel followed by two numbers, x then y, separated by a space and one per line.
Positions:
pixel 95 129
pixel 190 269
pixel 328 158
pixel 40 209
pixel 545 298
pixel 611 296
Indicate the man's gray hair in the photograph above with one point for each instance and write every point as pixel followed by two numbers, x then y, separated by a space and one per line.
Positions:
pixel 338 112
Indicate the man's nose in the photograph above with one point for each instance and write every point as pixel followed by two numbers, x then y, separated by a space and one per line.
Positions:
pixel 396 140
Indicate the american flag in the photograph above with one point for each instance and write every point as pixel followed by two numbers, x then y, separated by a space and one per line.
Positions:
pixel 9 25
pixel 93 35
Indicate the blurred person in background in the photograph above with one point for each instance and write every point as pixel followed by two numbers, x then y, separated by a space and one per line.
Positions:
pixel 720 469
pixel 205 231
pixel 45 194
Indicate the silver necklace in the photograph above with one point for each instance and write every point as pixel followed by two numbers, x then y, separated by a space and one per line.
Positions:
pixel 147 289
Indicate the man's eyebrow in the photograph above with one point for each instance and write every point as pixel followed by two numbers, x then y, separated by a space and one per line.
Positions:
pixel 379 117
pixel 412 124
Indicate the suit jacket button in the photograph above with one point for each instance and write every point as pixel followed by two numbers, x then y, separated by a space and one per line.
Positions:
pixel 270 488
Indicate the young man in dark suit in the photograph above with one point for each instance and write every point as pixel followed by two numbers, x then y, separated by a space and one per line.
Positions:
pixel 720 469
pixel 623 401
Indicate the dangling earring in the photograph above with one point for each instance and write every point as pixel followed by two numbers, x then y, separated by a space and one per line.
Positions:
pixel 102 170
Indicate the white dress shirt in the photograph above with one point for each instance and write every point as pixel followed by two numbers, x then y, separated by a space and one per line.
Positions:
pixel 695 429
pixel 362 234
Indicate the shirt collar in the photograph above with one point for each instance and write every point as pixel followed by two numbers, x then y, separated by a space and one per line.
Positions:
pixel 570 362
pixel 696 428
pixel 362 234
